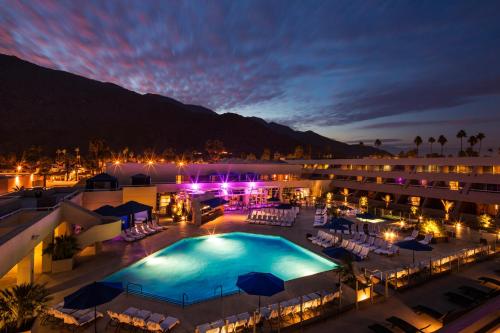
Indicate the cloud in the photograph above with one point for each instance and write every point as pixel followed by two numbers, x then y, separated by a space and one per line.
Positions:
pixel 415 124
pixel 325 63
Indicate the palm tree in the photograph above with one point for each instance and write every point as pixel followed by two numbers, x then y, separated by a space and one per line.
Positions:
pixel 472 141
pixel 480 136
pixel 377 143
pixel 442 141
pixel 19 306
pixel 431 141
pixel 418 141
pixel 461 134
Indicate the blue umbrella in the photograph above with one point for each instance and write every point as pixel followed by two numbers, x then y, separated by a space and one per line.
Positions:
pixel 366 216
pixel 92 295
pixel 342 221
pixel 260 284
pixel 414 246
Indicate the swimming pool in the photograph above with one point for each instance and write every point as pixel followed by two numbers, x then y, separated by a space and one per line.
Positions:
pixel 199 267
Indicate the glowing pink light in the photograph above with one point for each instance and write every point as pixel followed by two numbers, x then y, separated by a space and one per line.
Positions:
pixel 195 186
pixel 252 185
pixel 225 185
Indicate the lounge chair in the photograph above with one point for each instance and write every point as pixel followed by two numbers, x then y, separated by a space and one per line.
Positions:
pixel 169 323
pixel 363 254
pixel 243 319
pixel 474 292
pixel 486 279
pixel 127 238
pixel 427 239
pixel 459 299
pixel 377 328
pixel 78 322
pixel 394 249
pixel 126 316
pixel 422 309
pixel 153 322
pixel 350 246
pixel 414 235
pixel 139 319
pixel 404 325
pixel 114 319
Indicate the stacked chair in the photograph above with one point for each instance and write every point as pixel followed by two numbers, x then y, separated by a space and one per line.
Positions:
pixel 273 216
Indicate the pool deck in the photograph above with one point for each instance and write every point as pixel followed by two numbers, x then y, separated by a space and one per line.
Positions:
pixel 118 254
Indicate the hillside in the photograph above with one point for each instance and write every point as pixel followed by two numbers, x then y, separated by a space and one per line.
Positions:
pixel 55 109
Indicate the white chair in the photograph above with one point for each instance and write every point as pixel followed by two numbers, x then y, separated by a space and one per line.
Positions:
pixel 414 235
pixel 427 239
pixel 169 323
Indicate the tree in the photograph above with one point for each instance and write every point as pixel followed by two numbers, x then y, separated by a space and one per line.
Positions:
pixel 472 141
pixel 63 247
pixel 377 143
pixel 442 141
pixel 461 134
pixel 97 149
pixel 44 166
pixel 431 141
pixel 299 152
pixel 20 305
pixel 417 141
pixel 480 136
pixel 214 148
pixel 266 154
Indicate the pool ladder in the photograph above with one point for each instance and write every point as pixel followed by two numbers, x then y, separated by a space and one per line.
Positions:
pixel 184 299
pixel 133 284
pixel 218 287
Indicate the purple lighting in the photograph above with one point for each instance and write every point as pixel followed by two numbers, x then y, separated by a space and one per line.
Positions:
pixel 195 186
pixel 400 180
pixel 252 185
pixel 225 185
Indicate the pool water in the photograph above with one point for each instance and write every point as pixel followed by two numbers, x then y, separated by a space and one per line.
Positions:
pixel 199 267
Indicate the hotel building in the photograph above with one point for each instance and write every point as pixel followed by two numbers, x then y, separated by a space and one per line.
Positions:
pixel 197 193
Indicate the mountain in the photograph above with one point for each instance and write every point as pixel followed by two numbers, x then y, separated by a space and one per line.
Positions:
pixel 55 109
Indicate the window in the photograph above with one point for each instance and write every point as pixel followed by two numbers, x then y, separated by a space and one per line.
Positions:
pixel 454 185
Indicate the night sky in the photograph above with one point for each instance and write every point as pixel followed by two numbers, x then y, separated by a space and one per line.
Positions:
pixel 351 70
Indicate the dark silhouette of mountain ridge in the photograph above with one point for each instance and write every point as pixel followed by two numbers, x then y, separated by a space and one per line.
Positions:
pixel 55 109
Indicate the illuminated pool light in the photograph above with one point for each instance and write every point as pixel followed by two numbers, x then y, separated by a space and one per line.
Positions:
pixel 196 266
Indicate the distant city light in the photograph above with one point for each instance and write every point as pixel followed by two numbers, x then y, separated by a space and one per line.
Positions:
pixel 117 162
pixel 19 168
pixel 150 162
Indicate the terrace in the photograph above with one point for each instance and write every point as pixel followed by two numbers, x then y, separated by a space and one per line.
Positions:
pixel 117 254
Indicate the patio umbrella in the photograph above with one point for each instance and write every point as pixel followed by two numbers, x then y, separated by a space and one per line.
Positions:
pixel 414 246
pixel 260 284
pixel 366 216
pixel 341 223
pixel 92 295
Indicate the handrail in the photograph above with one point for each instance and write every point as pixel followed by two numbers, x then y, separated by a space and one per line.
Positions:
pixel 217 287
pixel 184 299
pixel 133 284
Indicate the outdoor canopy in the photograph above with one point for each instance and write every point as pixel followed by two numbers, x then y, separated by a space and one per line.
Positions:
pixel 214 202
pixel 101 181
pixel 126 211
pixel 141 179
